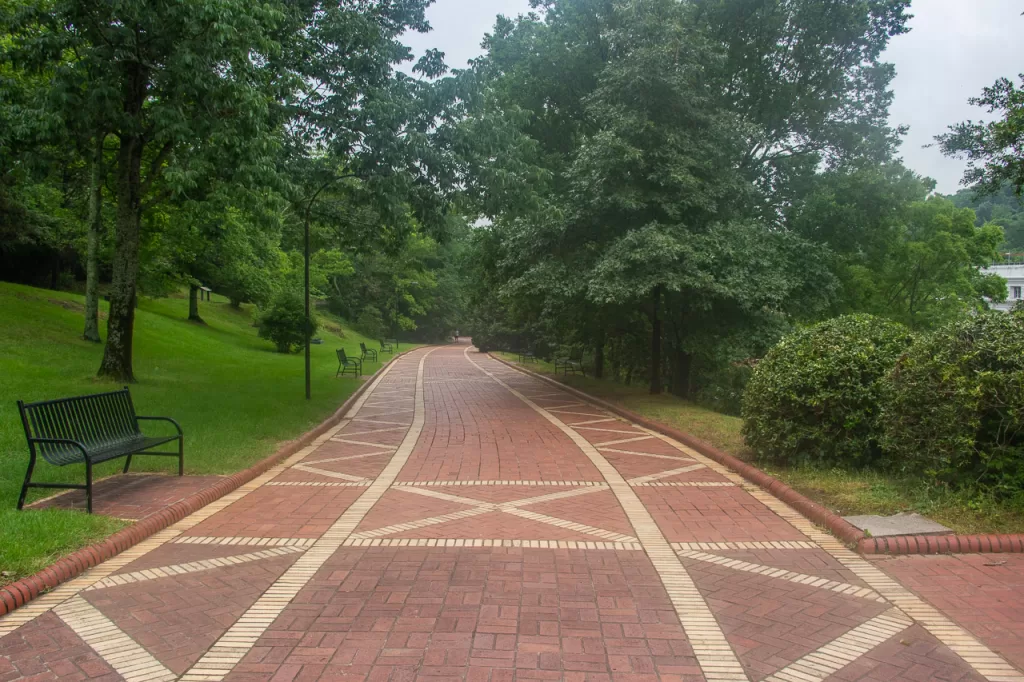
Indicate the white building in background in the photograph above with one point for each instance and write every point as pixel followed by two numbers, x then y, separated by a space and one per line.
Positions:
pixel 1014 275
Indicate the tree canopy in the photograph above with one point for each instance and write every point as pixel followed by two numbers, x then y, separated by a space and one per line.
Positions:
pixel 670 185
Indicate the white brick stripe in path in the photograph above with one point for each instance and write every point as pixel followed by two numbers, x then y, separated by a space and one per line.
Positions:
pixel 193 567
pixel 717 660
pixel 120 651
pixel 244 541
pixel 783 574
pixel 844 650
pixel 240 638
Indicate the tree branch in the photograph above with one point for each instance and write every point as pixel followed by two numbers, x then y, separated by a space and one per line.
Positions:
pixel 155 166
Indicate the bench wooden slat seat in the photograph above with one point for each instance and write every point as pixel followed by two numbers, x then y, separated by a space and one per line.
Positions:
pixel 89 429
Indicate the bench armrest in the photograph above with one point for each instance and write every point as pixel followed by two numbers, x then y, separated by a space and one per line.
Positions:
pixel 162 419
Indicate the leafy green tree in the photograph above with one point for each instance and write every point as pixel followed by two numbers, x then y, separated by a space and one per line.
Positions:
pixel 180 86
pixel 930 271
pixel 993 150
pixel 675 142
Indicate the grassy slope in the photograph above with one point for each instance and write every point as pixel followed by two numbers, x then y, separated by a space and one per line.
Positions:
pixel 235 398
pixel 844 492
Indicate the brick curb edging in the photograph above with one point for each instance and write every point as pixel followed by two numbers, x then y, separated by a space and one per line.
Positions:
pixel 943 544
pixel 22 591
pixel 839 527
pixel 842 529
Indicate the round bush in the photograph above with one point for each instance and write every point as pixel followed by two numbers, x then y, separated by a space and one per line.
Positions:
pixel 954 404
pixel 815 397
pixel 284 322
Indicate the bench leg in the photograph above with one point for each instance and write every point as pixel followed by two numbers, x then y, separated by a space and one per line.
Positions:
pixel 127 463
pixel 88 486
pixel 28 479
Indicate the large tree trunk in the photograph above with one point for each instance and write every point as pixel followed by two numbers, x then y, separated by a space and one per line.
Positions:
pixel 92 258
pixel 117 355
pixel 656 342
pixel 193 303
pixel 682 366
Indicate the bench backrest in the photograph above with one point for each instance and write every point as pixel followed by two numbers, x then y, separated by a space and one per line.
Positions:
pixel 97 421
pixel 362 346
pixel 341 355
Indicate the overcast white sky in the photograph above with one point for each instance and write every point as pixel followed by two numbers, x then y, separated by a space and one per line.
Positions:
pixel 955 48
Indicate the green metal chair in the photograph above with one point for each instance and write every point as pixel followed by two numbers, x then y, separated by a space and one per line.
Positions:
pixel 347 364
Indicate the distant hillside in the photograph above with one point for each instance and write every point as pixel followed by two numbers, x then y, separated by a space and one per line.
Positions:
pixel 1004 209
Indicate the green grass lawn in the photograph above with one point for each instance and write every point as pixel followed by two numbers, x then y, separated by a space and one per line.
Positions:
pixel 843 491
pixel 235 398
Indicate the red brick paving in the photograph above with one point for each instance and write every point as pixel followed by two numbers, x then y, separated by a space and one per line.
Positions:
pixel 631 466
pixel 807 561
pixel 598 509
pixel 177 618
pixel 912 655
pixel 398 506
pixel 983 593
pixel 510 493
pixel 493 525
pixel 47 649
pixel 281 512
pixel 507 613
pixel 725 514
pixel 463 614
pixel 131 496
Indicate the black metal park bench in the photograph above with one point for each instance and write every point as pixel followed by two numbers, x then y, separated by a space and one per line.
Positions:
pixel 89 429
pixel 526 356
pixel 386 347
pixel 367 352
pixel 573 362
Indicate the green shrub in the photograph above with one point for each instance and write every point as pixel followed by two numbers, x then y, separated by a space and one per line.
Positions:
pixel 954 404
pixel 815 397
pixel 370 323
pixel 284 321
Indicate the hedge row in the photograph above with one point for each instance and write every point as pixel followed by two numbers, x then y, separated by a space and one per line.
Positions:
pixel 863 391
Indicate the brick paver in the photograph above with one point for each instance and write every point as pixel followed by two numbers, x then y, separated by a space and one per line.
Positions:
pixel 131 496
pixel 469 522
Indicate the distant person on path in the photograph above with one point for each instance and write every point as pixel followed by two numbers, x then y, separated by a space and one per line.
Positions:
pixel 456 336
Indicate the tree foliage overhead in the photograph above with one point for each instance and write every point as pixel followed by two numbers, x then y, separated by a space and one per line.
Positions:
pixel 679 137
pixel 223 127
pixel 995 150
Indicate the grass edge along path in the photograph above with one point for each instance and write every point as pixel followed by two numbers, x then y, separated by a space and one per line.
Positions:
pixel 236 398
pixel 18 593
pixel 843 492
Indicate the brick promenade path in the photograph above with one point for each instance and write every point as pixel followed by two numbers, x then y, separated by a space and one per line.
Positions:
pixel 468 522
